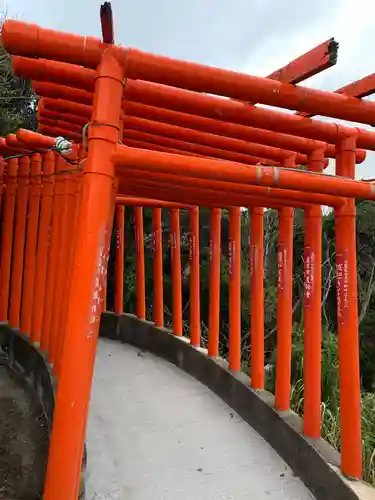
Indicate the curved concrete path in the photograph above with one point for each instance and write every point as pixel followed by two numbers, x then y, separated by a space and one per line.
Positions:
pixel 155 433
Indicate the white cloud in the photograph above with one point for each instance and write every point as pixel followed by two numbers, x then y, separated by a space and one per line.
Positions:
pixel 352 24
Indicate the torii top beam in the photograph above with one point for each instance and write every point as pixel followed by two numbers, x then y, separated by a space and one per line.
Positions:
pixel 31 40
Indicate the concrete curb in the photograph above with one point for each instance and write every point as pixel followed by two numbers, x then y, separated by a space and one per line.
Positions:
pixel 314 461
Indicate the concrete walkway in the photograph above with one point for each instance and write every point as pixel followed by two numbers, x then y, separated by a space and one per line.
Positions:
pixel 155 433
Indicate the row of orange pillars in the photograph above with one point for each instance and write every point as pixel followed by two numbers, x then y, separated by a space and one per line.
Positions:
pixel 56 298
pixel 40 201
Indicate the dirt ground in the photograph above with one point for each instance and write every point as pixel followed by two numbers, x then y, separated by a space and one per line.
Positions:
pixel 23 440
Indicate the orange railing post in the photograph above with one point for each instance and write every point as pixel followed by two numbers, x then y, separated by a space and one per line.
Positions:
pixel 284 309
pixel 347 315
pixel 235 289
pixel 7 235
pixel 84 306
pixel 257 297
pixel 65 219
pixel 69 221
pixel 312 309
pixel 46 205
pixel 2 169
pixel 31 244
pixel 195 326
pixel 19 242
pixel 111 218
pixel 176 272
pixel 53 253
pixel 157 246
pixel 119 259
pixel 284 303
pixel 140 263
pixel 214 300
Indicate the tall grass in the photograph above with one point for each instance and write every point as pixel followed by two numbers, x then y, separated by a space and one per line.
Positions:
pixel 330 406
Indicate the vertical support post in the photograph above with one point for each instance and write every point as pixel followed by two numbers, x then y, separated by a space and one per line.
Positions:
pixel 257 297
pixel 31 244
pixel 176 272
pixel 104 296
pixel 235 288
pixel 70 224
pixel 312 308
pixel 119 259
pixel 7 235
pixel 284 303
pixel 214 300
pixel 84 306
pixel 195 330
pixel 53 254
pixel 19 242
pixel 66 217
pixel 140 263
pixel 157 245
pixel 284 309
pixel 347 315
pixel 110 224
pixel 2 168
pixel 48 167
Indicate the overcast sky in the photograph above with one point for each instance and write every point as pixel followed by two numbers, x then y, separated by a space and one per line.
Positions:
pixel 254 36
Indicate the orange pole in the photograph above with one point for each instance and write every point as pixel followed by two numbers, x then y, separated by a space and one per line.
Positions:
pixel 119 260
pixel 195 323
pixel 31 40
pixel 257 297
pixel 72 127
pixel 209 139
pixel 31 244
pixel 347 313
pixel 46 205
pixel 7 235
pixel 61 273
pixel 104 298
pixel 219 187
pixel 140 263
pixel 69 223
pixel 84 307
pixel 66 117
pixel 312 309
pixel 157 234
pixel 211 197
pixel 202 105
pixel 111 222
pixel 148 202
pixel 191 147
pixel 19 242
pixel 34 140
pixel 176 272
pixel 228 129
pixel 235 289
pixel 59 131
pixel 134 124
pixel 202 168
pixel 167 130
pixel 214 301
pixel 53 256
pixel 2 168
pixel 284 309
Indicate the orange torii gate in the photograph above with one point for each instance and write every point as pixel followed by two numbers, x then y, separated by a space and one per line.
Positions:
pixel 199 180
